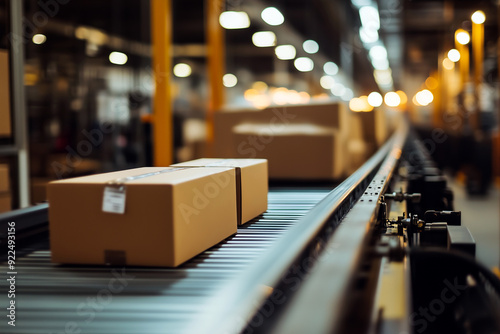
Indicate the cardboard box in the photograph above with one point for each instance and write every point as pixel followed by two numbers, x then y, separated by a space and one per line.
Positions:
pixel 39 189
pixel 251 183
pixel 371 126
pixel 298 152
pixel 359 152
pixel 334 115
pixel 169 215
pixel 5 114
pixel 5 202
pixel 4 178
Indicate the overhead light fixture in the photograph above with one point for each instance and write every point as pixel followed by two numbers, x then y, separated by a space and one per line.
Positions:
pixel 304 64
pixel 462 36
pixel 375 99
pixel 347 95
pixel 448 64
pixel 380 64
pixel 369 17
pixel 264 39
pixel 338 89
pixel 285 52
pixel 424 97
pixel 310 46
pixel 378 52
pixel 118 58
pixel 182 70
pixel 234 20
pixel 272 16
pixel 330 68
pixel 383 77
pixel 39 39
pixel 454 55
pixel 229 80
pixel 478 17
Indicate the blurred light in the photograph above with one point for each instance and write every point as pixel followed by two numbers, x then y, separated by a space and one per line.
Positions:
pixel 383 77
pixel 366 105
pixel 402 96
pixel 272 16
pixel 368 35
pixel 478 17
pixel 348 94
pixel 260 86
pixel 251 94
pixel 361 3
pixel 327 82
pixel 448 64
pixel 375 99
pixel 378 52
pixel 424 97
pixel 431 83
pixel 39 39
pixel 356 104
pixel 118 58
pixel 304 64
pixel 369 17
pixel 415 102
pixel 81 32
pixel 285 52
pixel 304 97
pixel 264 39
pixel 454 55
pixel 234 20
pixel 261 101
pixel 392 99
pixel 293 97
pixel 462 37
pixel 338 89
pixel 380 64
pixel 280 96
pixel 182 70
pixel 331 68
pixel 229 80
pixel 310 46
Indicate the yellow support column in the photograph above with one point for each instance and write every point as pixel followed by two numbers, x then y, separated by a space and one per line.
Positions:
pixel 216 65
pixel 161 34
pixel 462 39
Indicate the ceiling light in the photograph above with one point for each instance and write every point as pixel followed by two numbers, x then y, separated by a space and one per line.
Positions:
pixel 380 64
pixel 330 68
pixel 264 39
pixel 229 80
pixel 478 17
pixel 338 89
pixel 347 95
pixel 375 99
pixel 285 52
pixel 378 52
pixel 402 96
pixel 304 64
pixel 392 99
pixel 431 83
pixel 448 64
pixel 462 36
pixel 368 35
pixel 310 46
pixel 118 58
pixel 327 82
pixel 272 16
pixel 182 70
pixel 234 20
pixel 369 17
pixel 424 97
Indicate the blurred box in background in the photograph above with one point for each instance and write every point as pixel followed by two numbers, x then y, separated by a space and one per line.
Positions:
pixel 5 195
pixel 5 118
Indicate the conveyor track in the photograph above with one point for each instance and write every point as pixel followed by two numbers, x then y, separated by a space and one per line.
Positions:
pixel 53 298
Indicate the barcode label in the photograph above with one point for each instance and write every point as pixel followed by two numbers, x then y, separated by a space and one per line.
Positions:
pixel 114 200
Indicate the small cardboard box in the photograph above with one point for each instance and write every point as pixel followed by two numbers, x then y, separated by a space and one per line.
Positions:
pixel 295 152
pixel 251 183
pixel 5 122
pixel 154 216
pixel 4 178
pixel 5 202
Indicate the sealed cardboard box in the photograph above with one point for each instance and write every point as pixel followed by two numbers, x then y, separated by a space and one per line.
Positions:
pixel 5 202
pixel 372 125
pixel 4 178
pixel 298 151
pixel 5 121
pixel 251 183
pixel 144 216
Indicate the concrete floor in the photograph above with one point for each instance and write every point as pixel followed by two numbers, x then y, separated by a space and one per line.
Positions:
pixel 482 216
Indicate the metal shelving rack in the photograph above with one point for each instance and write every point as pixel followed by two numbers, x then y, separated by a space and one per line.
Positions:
pixel 19 148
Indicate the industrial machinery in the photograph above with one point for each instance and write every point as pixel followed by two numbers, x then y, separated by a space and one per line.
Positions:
pixel 382 252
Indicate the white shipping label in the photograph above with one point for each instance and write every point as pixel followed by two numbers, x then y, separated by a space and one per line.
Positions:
pixel 114 200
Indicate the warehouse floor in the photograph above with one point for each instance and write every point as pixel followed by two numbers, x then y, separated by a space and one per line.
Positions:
pixel 482 216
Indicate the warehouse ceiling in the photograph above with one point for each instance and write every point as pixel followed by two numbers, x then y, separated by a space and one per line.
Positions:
pixel 414 31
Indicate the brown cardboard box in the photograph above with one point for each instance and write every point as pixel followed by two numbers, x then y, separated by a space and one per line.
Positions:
pixel 251 183
pixel 5 122
pixel 334 115
pixel 5 202
pixel 359 152
pixel 167 218
pixel 298 151
pixel 4 178
pixel 39 189
pixel 371 126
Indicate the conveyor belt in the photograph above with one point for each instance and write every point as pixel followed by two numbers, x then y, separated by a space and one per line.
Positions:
pixel 53 298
